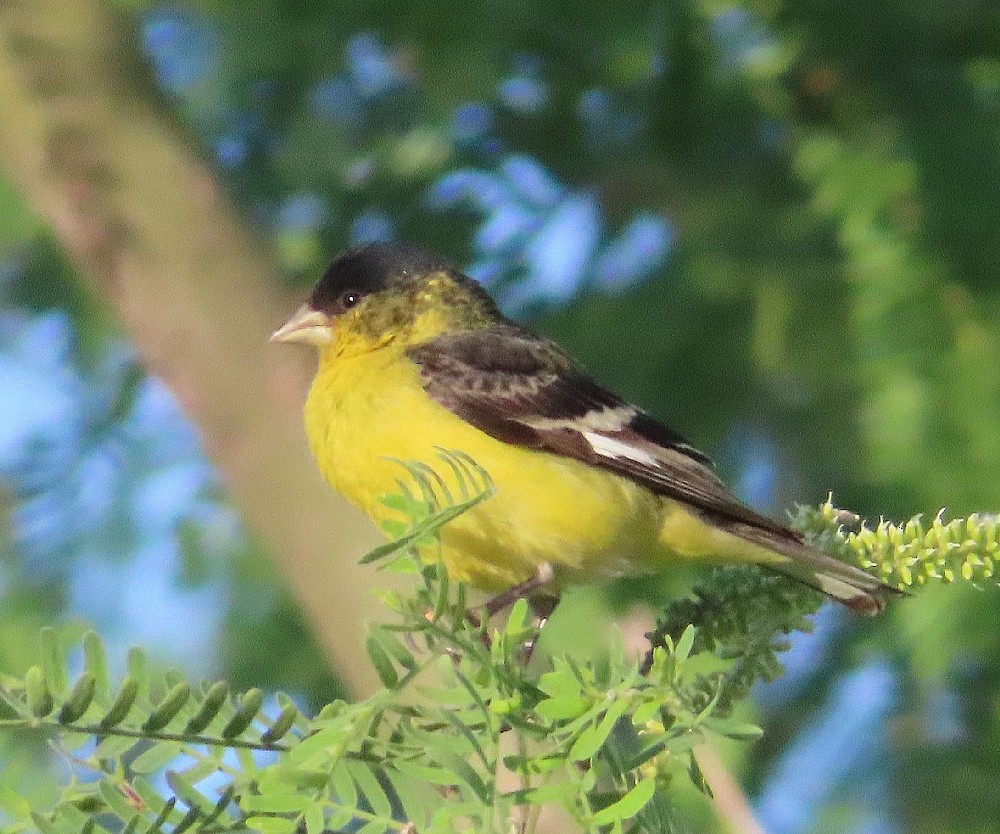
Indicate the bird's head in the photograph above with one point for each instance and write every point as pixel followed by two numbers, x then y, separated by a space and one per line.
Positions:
pixel 385 294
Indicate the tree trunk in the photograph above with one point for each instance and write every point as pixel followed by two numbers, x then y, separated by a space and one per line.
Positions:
pixel 141 216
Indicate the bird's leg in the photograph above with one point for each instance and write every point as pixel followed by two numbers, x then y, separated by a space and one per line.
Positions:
pixel 542 577
pixel 541 604
pixel 542 607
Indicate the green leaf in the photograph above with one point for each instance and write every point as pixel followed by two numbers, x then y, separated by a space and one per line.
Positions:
pixel 393 647
pixel 114 747
pixel 382 663
pixel 342 786
pixel 319 745
pixel 465 775
pixel 271 825
pixel 340 819
pixel 646 712
pixel 563 708
pixel 393 528
pixel 443 584
pixel 533 764
pixel 14 805
pixel 54 663
pixel 433 521
pixel 189 819
pixel 426 773
pixel 592 739
pixel 518 618
pixel 629 805
pixel 203 768
pixel 95 661
pixel 156 757
pixel 46 823
pixel 370 789
pixel 187 793
pixel 36 692
pixel 560 682
pixel 154 800
pixel 313 816
pixel 638 757
pixel 561 793
pixel 407 793
pixel 219 812
pixel 276 803
pixel 684 645
pixel 466 732
pixel 116 800
pixel 738 730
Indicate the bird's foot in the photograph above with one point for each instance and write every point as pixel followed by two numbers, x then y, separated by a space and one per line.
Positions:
pixel 541 604
pixel 542 577
pixel 541 608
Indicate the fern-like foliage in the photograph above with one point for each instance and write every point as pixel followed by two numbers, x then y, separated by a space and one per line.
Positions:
pixel 463 736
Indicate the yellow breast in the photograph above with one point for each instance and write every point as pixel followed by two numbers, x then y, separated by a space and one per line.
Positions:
pixel 586 523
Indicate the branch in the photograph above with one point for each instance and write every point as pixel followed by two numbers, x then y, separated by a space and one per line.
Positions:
pixel 728 799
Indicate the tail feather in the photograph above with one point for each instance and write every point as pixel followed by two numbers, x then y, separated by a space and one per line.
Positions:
pixel 859 591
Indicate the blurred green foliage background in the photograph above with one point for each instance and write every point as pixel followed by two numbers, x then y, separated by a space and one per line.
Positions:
pixel 774 224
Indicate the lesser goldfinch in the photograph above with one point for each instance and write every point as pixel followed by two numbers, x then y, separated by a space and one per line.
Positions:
pixel 415 356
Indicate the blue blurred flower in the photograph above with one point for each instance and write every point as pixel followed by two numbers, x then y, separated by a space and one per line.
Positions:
pixel 558 255
pixel 524 94
pixel 182 46
pixel 636 254
pixel 524 91
pixel 504 228
pixel 230 150
pixel 370 67
pixel 304 211
pixel 102 471
pixel 848 736
pixel 741 36
pixel 594 106
pixel 335 99
pixel 531 180
pixel 372 227
pixel 472 122
pixel 480 189
pixel 540 241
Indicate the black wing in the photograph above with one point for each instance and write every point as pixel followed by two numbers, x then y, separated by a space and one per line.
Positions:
pixel 523 389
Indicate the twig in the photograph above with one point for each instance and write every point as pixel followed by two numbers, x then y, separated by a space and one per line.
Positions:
pixel 731 804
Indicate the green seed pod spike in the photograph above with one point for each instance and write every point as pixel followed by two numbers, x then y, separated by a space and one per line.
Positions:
pixel 209 708
pixel 282 724
pixel 245 715
pixel 123 704
pixel 79 699
pixel 168 708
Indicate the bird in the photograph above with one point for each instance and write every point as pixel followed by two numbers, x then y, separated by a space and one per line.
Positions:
pixel 415 356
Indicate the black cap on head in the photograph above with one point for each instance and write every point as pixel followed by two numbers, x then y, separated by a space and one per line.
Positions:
pixel 372 268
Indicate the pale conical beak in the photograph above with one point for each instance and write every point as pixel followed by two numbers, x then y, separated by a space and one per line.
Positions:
pixel 306 325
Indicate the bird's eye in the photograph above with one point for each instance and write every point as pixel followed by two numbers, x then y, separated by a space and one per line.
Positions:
pixel 349 299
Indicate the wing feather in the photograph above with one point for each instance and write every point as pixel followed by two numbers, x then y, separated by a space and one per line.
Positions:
pixel 523 389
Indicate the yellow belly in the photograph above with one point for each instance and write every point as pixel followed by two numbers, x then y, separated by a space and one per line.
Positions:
pixel 584 522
